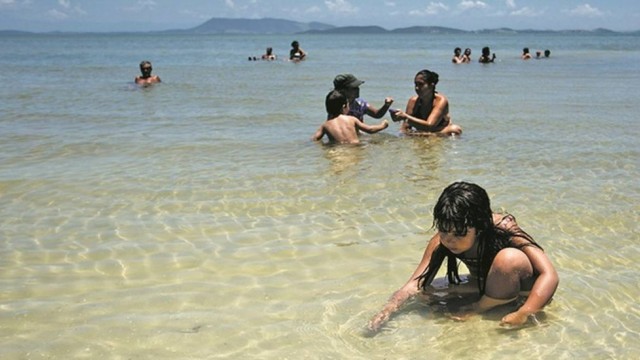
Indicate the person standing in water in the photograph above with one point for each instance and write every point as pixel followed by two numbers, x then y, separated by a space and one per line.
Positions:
pixel 486 56
pixel 296 53
pixel 457 58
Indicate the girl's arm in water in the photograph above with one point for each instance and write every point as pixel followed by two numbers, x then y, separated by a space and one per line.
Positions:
pixel 407 291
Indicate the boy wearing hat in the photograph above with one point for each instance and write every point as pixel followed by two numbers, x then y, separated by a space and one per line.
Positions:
pixel 358 107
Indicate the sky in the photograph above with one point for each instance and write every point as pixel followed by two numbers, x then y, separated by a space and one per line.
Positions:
pixel 152 15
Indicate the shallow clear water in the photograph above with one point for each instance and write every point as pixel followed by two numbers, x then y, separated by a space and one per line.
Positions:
pixel 195 218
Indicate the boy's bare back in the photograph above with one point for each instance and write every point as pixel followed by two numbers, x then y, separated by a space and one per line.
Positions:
pixel 343 129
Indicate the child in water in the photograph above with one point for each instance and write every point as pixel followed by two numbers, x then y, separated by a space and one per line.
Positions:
pixel 504 261
pixel 341 128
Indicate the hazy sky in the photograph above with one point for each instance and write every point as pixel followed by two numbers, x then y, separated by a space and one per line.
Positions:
pixel 141 15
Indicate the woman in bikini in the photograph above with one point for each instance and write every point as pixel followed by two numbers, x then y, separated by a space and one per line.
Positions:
pixel 427 113
pixel 504 261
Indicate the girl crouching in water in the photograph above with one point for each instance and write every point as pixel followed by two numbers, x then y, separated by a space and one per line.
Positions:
pixel 504 260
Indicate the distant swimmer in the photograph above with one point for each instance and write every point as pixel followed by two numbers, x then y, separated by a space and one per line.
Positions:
pixel 457 56
pixel 146 78
pixel 466 57
pixel 341 128
pixel 428 112
pixel 268 55
pixel 296 53
pixel 525 54
pixel 486 56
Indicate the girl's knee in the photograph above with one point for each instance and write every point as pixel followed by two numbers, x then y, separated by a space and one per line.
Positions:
pixel 510 260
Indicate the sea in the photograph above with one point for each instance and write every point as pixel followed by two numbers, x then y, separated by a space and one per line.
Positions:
pixel 196 218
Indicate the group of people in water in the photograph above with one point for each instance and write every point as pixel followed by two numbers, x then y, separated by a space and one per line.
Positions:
pixel 295 54
pixel 488 57
pixel 426 113
pixel 507 268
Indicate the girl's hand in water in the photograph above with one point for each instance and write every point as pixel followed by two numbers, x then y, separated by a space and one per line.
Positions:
pixel 377 321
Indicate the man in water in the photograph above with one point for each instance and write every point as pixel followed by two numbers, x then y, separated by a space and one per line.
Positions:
pixel 146 78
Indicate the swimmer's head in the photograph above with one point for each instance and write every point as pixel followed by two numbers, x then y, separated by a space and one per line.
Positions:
pixel 486 51
pixel 335 103
pixel 525 50
pixel 547 53
pixel 462 206
pixel 145 65
pixel 295 44
pixel 467 51
pixel 457 51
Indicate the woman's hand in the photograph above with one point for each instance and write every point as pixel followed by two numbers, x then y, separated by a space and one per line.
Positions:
pixel 398 115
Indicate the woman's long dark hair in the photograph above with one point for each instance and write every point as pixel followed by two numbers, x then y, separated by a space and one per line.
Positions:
pixel 462 206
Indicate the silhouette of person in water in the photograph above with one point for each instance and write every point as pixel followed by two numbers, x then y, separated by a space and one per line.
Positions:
pixel 486 56
pixel 296 53
pixel 457 58
pixel 268 55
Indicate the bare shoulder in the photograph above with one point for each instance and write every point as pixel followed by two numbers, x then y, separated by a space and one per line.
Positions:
pixel 442 99
pixel 348 118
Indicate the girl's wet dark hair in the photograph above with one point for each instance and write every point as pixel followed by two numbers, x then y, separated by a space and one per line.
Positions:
pixel 429 76
pixel 462 206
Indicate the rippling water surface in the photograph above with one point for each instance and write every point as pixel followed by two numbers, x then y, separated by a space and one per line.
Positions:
pixel 195 219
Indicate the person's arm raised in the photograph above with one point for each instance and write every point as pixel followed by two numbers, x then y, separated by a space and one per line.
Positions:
pixel 379 113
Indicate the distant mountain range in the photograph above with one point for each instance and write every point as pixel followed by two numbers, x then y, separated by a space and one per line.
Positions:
pixel 281 26
pixel 255 26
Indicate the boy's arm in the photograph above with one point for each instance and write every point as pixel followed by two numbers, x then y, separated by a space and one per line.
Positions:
pixel 371 129
pixel 318 134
